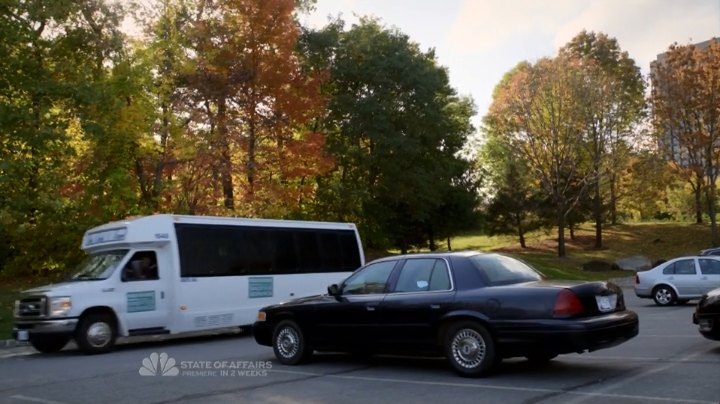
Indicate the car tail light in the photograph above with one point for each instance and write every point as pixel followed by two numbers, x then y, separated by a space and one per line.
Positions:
pixel 567 304
pixel 637 279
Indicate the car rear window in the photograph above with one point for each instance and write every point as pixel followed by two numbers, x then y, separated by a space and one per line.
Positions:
pixel 501 270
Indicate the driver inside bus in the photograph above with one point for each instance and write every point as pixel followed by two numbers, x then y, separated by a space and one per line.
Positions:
pixel 140 269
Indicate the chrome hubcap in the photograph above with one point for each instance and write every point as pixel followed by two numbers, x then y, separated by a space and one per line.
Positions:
pixel 288 342
pixel 468 348
pixel 99 334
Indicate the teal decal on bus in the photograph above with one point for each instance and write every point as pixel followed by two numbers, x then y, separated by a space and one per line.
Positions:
pixel 140 301
pixel 260 286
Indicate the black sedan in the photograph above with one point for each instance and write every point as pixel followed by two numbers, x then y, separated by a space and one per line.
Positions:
pixel 473 308
pixel 707 315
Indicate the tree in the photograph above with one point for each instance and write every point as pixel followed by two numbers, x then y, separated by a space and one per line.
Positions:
pixel 685 99
pixel 395 128
pixel 257 100
pixel 63 107
pixel 612 107
pixel 515 199
pixel 537 114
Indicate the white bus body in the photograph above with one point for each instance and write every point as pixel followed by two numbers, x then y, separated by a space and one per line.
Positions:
pixel 170 274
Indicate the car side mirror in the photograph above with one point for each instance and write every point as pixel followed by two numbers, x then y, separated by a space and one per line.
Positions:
pixel 333 290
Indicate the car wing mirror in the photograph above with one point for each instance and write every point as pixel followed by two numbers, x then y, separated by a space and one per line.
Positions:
pixel 333 290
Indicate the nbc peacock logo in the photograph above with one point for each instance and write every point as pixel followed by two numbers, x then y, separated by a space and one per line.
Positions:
pixel 158 365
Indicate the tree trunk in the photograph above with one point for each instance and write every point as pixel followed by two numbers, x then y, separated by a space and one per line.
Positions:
pixel 448 244
pixel 613 199
pixel 598 216
pixel 561 233
pixel 250 163
pixel 225 163
pixel 521 230
pixel 431 236
pixel 710 194
pixel 698 204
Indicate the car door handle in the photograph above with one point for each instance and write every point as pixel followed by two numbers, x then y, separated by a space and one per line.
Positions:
pixel 434 306
pixel 704 278
pixel 370 308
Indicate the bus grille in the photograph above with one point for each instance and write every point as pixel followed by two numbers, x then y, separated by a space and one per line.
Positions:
pixel 34 306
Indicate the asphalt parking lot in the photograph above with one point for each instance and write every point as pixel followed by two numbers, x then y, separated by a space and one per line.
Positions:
pixel 668 362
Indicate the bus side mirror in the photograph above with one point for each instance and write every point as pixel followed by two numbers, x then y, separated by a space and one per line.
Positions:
pixel 333 290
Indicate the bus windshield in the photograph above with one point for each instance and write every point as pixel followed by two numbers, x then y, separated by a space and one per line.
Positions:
pixel 98 266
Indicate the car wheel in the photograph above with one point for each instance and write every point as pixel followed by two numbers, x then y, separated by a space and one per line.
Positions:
pixel 48 344
pixel 664 295
pixel 289 343
pixel 470 349
pixel 96 334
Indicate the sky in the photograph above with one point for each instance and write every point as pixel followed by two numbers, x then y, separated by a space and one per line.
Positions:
pixel 480 40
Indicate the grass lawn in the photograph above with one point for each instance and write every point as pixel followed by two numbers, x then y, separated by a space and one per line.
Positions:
pixel 652 240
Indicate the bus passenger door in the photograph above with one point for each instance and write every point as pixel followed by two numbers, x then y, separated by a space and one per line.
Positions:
pixel 144 284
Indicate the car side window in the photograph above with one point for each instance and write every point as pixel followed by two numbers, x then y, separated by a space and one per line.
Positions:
pixel 423 274
pixel 682 267
pixel 440 278
pixel 709 267
pixel 369 280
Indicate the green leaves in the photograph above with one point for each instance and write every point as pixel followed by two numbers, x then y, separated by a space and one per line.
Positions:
pixel 395 127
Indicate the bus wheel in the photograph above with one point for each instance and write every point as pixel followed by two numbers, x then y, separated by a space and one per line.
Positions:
pixel 96 333
pixel 48 344
pixel 289 343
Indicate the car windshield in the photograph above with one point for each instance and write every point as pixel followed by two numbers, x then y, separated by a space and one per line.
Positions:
pixel 501 270
pixel 98 266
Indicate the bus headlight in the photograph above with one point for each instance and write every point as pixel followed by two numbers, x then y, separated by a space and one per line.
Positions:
pixel 261 316
pixel 60 306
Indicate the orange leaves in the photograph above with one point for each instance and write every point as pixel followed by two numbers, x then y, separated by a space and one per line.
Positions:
pixel 254 102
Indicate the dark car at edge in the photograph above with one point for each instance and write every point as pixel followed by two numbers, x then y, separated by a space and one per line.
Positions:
pixel 707 315
pixel 473 308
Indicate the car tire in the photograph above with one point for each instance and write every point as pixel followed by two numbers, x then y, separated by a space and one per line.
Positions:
pixel 96 333
pixel 48 344
pixel 664 295
pixel 470 349
pixel 289 343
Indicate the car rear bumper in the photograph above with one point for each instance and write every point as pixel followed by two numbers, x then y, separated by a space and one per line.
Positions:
pixel 566 335
pixel 644 292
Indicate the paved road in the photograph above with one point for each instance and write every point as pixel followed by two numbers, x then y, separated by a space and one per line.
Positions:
pixel 668 362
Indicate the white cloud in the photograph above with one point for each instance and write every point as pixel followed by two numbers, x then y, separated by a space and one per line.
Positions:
pixel 485 25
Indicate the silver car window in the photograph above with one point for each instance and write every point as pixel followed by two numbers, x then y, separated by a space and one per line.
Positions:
pixel 709 266
pixel 681 267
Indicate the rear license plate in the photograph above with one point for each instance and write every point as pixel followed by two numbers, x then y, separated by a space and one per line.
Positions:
pixel 606 303
pixel 22 335
pixel 705 324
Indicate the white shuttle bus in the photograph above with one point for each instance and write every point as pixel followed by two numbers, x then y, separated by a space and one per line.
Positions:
pixel 170 274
